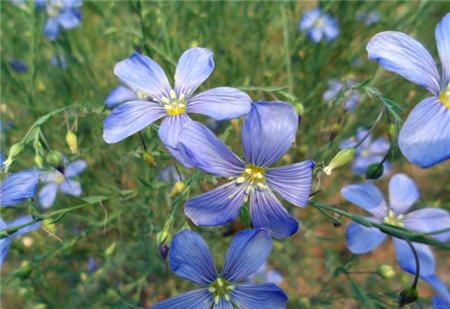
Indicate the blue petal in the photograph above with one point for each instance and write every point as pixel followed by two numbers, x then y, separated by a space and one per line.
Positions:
pixel 248 251
pixel 442 34
pixel 22 221
pixel 216 207
pixel 208 153
pixel 220 103
pixel 315 34
pixel 189 258
pixel 407 262
pixel 141 73
pixel 5 243
pixel 47 195
pixel 193 68
pixel 403 193
pixel 428 220
pixel 71 187
pixel 366 196
pixel 169 131
pixel 424 138
pixel 197 299
pixel 379 146
pixel 292 182
pixel 69 18
pixel 267 212
pixel 399 53
pixel 361 239
pixel 51 29
pixel 130 118
pixel 443 293
pixel 361 163
pixel 309 18
pixel 268 132
pixel 18 187
pixel 223 304
pixel 331 28
pixel 119 95
pixel 334 86
pixel 75 168
pixel 248 296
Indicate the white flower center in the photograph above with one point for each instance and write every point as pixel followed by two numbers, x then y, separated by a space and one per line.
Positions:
pixel 393 219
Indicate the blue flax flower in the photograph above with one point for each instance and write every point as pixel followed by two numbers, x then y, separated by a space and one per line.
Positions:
pixel 352 97
pixel 120 94
pixel 424 138
pixel 370 151
pixel 319 25
pixel 442 299
pixel 266 275
pixel 5 243
pixel 268 132
pixel 369 17
pixel 62 14
pixel 190 258
pixel 157 99
pixel 18 187
pixel 403 193
pixel 61 181
pixel 18 65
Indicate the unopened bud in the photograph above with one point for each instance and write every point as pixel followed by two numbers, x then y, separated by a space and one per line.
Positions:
pixel 15 150
pixel 163 251
pixel 39 160
pixel 392 130
pixel 71 140
pixel 407 296
pixel 55 158
pixel 49 225
pixel 110 250
pixel 149 158
pixel 386 271
pixel 161 237
pixel 342 158
pixel 299 108
pixel 177 188
pixel 374 171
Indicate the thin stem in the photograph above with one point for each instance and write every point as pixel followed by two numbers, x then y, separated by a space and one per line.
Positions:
pixel 375 123
pixel 416 258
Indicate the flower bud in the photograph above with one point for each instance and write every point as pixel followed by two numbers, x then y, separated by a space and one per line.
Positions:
pixel 299 108
pixel 55 158
pixel 49 225
pixel 342 158
pixel 71 140
pixel 110 250
pixel 163 251
pixel 407 296
pixel 39 160
pixel 15 150
pixel 374 171
pixel 177 188
pixel 149 158
pixel 386 271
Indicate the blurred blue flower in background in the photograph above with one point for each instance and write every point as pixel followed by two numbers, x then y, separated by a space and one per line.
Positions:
pixel 370 151
pixel 369 18
pixel 6 242
pixel 18 65
pixel 442 300
pixel 169 174
pixel 319 25
pixel 403 193
pixel 190 258
pixel 352 97
pixel 120 94
pixel 266 275
pixel 268 132
pixel 157 99
pixel 424 138
pixel 61 181
pixel 63 14
pixel 59 60
pixel 18 187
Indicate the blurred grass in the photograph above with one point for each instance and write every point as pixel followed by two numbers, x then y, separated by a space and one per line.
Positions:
pixel 257 47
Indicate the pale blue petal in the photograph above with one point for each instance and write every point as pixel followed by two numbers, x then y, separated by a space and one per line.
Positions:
pixel 309 18
pixel 5 243
pixel 428 220
pixel 119 95
pixel 71 187
pixel 248 251
pixel 366 196
pixel 18 187
pixel 216 207
pixel 141 73
pixel 22 221
pixel 361 163
pixel 51 29
pixel 248 296
pixel 267 212
pixel 194 67
pixel 424 138
pixel 169 131
pixel 399 53
pixel 361 239
pixel 442 301
pixel 69 18
pixel 407 262
pixel 223 304
pixel 190 258
pixel 442 34
pixel 47 195
pixel 331 28
pixel 75 168
pixel 130 118
pixel 197 299
pixel 315 34
pixel 268 132
pixel 292 182
pixel 403 193
pixel 208 153
pixel 379 146
pixel 220 103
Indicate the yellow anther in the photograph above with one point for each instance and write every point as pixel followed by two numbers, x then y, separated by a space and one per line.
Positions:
pixel 173 94
pixel 240 179
pixel 141 95
pixel 393 219
pixel 445 97
pixel 165 100
pixel 59 178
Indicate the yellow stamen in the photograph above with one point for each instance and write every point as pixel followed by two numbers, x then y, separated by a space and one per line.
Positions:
pixel 174 105
pixel 393 219
pixel 445 97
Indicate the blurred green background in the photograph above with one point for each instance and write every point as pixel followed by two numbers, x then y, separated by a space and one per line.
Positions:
pixel 257 48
